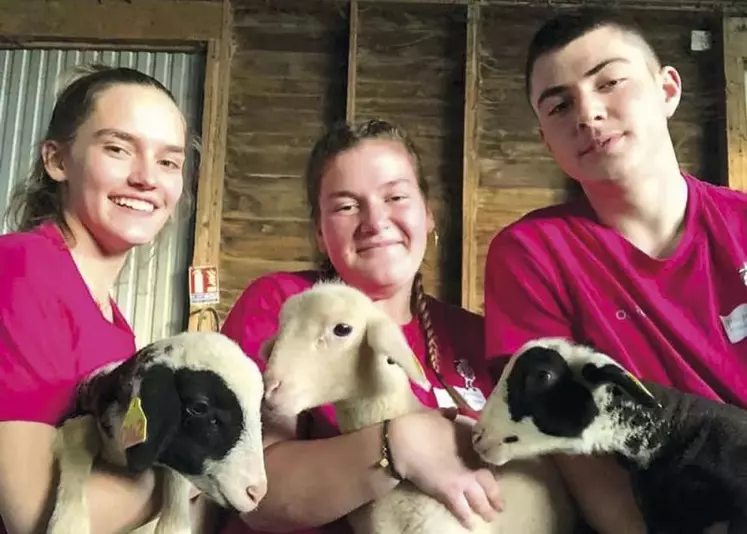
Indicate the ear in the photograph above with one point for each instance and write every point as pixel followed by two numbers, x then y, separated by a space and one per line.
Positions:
pixel 613 374
pixel 320 239
pixel 387 341
pixel 671 85
pixel 430 220
pixel 52 156
pixel 153 418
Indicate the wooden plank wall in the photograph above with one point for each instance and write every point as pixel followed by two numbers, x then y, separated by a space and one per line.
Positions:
pixel 410 69
pixel 288 82
pixel 290 72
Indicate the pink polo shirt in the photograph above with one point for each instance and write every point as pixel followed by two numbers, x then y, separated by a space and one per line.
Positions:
pixel 254 318
pixel 52 332
pixel 680 321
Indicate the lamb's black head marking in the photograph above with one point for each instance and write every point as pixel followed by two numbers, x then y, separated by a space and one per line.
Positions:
pixel 191 416
pixel 542 386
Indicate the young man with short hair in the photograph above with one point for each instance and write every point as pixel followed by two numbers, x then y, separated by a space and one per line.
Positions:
pixel 649 265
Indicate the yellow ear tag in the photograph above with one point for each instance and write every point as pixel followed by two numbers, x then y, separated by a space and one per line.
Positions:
pixel 639 384
pixel 134 425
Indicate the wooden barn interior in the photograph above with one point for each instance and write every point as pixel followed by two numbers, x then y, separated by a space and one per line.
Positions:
pixel 449 71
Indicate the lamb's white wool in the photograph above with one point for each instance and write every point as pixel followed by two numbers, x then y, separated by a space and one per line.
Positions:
pixel 195 399
pixel 334 345
pixel 544 405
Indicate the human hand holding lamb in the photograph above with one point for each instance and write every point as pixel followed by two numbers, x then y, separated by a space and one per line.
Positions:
pixel 687 455
pixel 335 345
pixel 189 406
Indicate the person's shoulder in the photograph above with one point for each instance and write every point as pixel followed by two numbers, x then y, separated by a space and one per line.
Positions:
pixel 454 316
pixel 270 290
pixel 542 223
pixel 31 254
pixel 285 283
pixel 723 197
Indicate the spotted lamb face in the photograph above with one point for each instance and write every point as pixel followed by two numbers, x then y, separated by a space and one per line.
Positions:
pixel 192 403
pixel 333 343
pixel 556 396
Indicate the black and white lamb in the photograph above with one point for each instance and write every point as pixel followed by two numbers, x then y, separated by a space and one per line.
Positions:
pixel 687 456
pixel 188 405
pixel 335 345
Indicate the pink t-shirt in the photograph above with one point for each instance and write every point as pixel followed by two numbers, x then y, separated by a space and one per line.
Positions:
pixel 52 333
pixel 680 321
pixel 254 318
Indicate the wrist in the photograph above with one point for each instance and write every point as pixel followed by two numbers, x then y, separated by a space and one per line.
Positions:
pixel 386 459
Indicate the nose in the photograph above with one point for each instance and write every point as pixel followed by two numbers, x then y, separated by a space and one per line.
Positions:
pixel 143 174
pixel 590 109
pixel 375 216
pixel 257 491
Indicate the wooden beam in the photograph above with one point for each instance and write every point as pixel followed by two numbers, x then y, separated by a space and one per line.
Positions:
pixel 735 52
pixel 352 61
pixel 721 6
pixel 211 175
pixel 149 20
pixel 470 172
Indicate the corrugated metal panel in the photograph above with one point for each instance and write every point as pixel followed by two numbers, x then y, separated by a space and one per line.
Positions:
pixel 152 288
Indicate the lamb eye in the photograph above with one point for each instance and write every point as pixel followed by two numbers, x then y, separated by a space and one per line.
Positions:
pixel 544 377
pixel 342 329
pixel 541 380
pixel 198 408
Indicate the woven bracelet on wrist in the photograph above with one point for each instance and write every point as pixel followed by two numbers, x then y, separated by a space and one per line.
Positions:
pixel 386 453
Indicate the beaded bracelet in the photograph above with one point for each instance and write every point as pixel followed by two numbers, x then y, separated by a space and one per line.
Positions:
pixel 386 461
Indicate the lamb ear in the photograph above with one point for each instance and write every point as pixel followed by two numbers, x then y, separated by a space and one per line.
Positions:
pixel 153 418
pixel 613 374
pixel 386 340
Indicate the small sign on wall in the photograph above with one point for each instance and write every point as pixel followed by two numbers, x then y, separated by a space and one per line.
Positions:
pixel 203 285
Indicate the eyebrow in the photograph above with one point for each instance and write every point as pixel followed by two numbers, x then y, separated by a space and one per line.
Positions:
pixel 346 193
pixel 124 136
pixel 559 89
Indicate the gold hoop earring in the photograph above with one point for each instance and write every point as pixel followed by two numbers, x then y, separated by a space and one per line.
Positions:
pixel 435 238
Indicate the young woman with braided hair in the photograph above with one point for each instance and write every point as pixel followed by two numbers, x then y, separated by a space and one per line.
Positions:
pixel 369 206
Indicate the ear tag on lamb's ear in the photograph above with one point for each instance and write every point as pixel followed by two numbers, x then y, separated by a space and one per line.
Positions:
pixel 640 385
pixel 134 425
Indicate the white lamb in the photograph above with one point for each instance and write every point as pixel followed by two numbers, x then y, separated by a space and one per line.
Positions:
pixel 188 405
pixel 334 345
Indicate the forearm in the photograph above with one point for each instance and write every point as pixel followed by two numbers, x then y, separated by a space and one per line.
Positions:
pixel 312 483
pixel 119 502
pixel 603 492
pixel 114 502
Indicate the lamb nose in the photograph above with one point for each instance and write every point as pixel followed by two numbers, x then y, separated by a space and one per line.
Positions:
pixel 257 491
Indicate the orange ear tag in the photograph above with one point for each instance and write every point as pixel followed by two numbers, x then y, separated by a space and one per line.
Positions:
pixel 640 385
pixel 134 425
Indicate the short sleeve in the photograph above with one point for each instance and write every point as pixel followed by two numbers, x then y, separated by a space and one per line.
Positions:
pixel 254 317
pixel 36 375
pixel 522 299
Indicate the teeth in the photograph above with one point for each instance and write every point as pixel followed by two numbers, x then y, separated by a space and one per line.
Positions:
pixel 139 205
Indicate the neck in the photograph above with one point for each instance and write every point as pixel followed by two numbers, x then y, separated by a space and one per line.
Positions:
pixel 648 211
pixel 635 435
pixel 395 302
pixel 98 268
pixel 357 413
